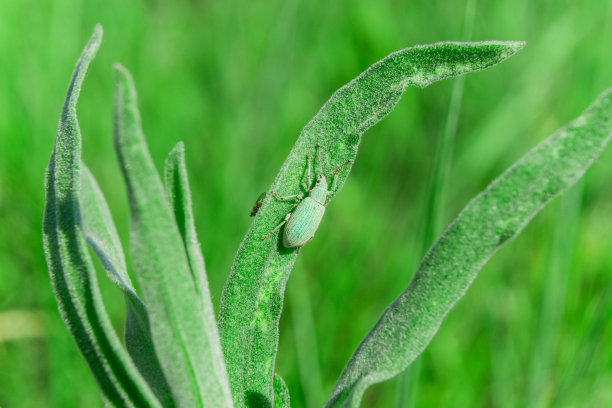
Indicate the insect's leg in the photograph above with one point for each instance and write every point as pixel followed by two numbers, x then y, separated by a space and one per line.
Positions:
pixel 335 182
pixel 335 173
pixel 283 222
pixel 309 181
pixel 292 197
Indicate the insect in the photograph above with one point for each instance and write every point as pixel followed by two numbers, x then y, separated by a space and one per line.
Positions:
pixel 302 223
pixel 258 204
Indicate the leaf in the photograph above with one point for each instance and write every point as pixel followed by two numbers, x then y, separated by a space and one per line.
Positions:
pixel 162 268
pixel 70 267
pixel 101 234
pixel 281 393
pixel 494 217
pixel 179 198
pixel 252 298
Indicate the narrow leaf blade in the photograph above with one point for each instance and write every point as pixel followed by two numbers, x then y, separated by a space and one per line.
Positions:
pixel 253 295
pixel 72 273
pixel 179 198
pixel 281 393
pixel 101 235
pixel 162 266
pixel 493 218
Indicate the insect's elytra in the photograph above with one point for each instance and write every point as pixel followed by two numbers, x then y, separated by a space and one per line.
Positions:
pixel 302 223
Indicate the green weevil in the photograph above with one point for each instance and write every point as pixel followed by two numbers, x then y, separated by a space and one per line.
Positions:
pixel 302 223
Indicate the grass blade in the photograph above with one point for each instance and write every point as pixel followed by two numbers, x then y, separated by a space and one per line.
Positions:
pixel 494 217
pixel 596 321
pixel 72 273
pixel 305 338
pixel 101 235
pixel 179 198
pixel 434 201
pixel 540 373
pixel 252 298
pixel 162 267
pixel 281 393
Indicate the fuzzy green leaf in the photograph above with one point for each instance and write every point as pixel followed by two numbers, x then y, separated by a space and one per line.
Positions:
pixel 494 217
pixel 72 272
pixel 172 297
pixel 179 198
pixel 101 235
pixel 253 296
pixel 281 393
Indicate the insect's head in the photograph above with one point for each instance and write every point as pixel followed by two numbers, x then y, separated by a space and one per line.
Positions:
pixel 321 183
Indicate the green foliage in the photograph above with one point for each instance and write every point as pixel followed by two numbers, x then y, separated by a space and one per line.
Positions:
pixel 179 197
pixel 173 347
pixel 252 299
pixel 173 340
pixel 102 237
pixel 188 352
pixel 281 393
pixel 238 97
pixel 494 217
pixel 71 269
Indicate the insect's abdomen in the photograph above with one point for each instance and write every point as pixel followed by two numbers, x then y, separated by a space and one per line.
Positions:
pixel 303 223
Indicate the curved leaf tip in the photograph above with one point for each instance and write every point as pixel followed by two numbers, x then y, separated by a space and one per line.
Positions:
pixel 97 32
pixel 253 295
pixel 447 59
pixel 72 273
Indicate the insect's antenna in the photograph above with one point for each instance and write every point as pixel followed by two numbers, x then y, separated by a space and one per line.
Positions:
pixel 339 169
pixel 319 158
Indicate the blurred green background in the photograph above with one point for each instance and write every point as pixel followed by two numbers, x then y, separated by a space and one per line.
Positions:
pixel 236 81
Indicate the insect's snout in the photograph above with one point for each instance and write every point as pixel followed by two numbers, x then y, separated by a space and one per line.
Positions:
pixel 320 178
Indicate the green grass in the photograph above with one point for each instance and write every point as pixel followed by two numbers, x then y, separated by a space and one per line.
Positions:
pixel 407 388
pixel 238 94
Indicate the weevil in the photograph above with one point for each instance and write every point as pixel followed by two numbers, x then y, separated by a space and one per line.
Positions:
pixel 258 204
pixel 302 223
